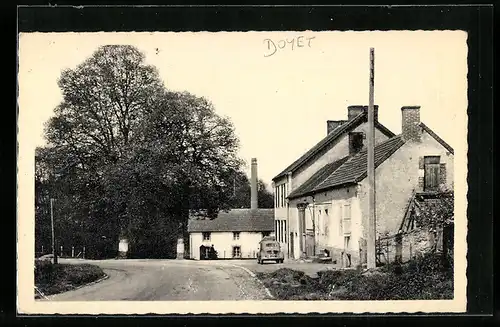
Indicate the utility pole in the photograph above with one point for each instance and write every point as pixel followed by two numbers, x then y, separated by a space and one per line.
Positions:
pixel 371 248
pixel 54 252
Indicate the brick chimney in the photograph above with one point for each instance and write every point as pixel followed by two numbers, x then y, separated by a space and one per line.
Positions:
pixel 332 124
pixel 410 120
pixel 254 201
pixel 353 111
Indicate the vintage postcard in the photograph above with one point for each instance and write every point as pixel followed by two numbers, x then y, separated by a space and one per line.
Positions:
pixel 242 172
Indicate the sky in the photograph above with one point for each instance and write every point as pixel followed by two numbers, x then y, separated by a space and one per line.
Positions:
pixel 278 88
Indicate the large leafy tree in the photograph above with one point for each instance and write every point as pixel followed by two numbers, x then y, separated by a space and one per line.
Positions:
pixel 126 157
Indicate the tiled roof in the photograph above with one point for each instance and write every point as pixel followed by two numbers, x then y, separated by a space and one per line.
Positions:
pixel 331 137
pixel 236 220
pixel 437 138
pixel 317 178
pixel 354 169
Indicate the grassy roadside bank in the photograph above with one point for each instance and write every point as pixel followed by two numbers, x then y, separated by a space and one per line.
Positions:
pixel 57 278
pixel 424 278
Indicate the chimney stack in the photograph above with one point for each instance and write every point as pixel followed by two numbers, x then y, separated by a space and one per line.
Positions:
pixel 254 201
pixel 353 111
pixel 410 120
pixel 333 124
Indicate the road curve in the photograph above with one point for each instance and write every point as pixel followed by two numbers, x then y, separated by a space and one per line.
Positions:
pixel 167 280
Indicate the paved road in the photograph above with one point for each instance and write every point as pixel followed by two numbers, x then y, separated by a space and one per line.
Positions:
pixel 167 280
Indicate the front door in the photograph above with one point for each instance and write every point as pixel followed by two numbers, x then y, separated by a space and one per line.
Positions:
pixel 309 244
pixel 292 247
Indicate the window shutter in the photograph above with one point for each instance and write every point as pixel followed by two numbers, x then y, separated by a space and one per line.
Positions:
pixel 420 162
pixel 431 176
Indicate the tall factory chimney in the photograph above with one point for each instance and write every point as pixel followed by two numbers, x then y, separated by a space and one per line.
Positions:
pixel 254 201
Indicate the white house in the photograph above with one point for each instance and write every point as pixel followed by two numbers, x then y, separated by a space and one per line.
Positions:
pixel 344 138
pixel 235 233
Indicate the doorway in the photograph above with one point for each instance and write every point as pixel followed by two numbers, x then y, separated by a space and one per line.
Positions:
pixel 310 243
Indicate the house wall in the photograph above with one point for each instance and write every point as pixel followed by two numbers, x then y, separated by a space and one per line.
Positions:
pixel 223 243
pixel 280 214
pixel 328 232
pixel 395 180
pixel 336 151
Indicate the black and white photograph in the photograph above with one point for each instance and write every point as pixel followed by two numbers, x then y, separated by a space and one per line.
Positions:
pixel 242 172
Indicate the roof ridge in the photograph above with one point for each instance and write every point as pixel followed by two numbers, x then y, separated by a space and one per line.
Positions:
pixel 328 138
pixel 357 176
pixel 333 135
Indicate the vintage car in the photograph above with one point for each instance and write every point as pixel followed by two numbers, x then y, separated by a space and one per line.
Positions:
pixel 269 250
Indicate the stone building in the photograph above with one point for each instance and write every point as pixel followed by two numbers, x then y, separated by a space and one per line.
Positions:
pixel 343 138
pixel 329 210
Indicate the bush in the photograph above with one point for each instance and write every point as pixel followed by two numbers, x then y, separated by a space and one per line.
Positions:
pixel 423 278
pixel 56 278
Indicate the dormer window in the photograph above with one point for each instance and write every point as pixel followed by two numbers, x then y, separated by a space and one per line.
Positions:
pixel 355 142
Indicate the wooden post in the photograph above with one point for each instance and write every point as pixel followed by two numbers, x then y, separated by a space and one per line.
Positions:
pixel 61 252
pixel 371 251
pixel 83 253
pixel 54 253
pixel 399 248
pixel 72 251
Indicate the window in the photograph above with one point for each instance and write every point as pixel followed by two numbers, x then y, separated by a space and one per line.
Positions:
pixel 283 236
pixel 326 223
pixel 355 142
pixel 280 234
pixel 347 240
pixel 337 214
pixel 280 195
pixel 236 236
pixel 320 223
pixel 283 195
pixel 346 217
pixel 236 252
pixel 206 236
pixel 431 173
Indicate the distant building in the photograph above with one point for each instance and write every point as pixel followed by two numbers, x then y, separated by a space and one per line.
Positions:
pixel 329 210
pixel 234 234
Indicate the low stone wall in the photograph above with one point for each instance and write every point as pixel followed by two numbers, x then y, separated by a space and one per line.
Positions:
pixel 409 245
